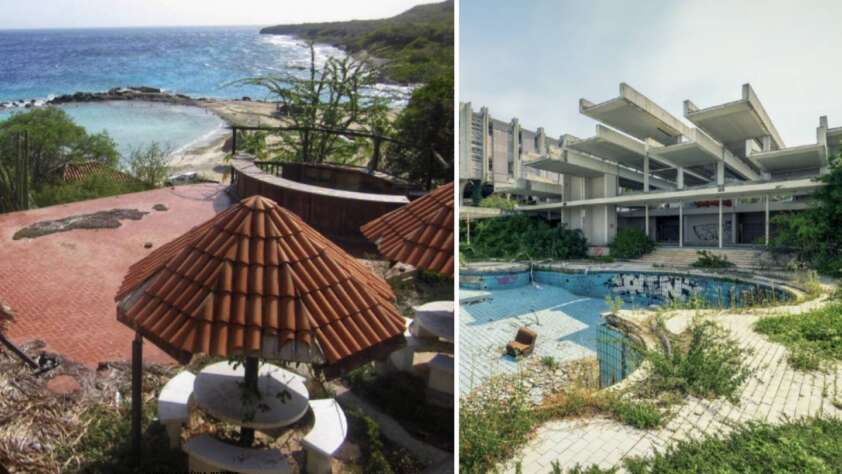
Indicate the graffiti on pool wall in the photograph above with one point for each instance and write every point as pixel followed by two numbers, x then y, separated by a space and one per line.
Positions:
pixel 642 285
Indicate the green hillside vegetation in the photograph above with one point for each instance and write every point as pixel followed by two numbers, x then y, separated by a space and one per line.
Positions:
pixel 415 45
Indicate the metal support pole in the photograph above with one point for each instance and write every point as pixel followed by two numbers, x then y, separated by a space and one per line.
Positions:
pixel 137 395
pixel 681 224
pixel 767 220
pixel 234 142
pixel 720 223
pixel 468 228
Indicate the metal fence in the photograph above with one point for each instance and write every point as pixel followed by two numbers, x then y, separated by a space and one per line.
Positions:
pixel 616 354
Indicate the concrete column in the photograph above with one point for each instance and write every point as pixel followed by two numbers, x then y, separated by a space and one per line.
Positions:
pixel 646 173
pixel 766 220
pixel 466 121
pixel 542 141
pixel 681 224
pixel 486 148
pixel 468 229
pixel 766 143
pixel 720 173
pixel 720 223
pixel 515 130
pixel 646 218
pixel 733 221
pixel 680 178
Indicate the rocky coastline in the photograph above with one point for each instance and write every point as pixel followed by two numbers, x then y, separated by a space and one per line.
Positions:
pixel 130 93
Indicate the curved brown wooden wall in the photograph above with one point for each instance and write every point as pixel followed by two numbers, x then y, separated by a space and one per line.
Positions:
pixel 337 214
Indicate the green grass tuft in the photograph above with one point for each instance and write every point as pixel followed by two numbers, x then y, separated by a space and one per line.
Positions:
pixel 813 338
pixel 808 445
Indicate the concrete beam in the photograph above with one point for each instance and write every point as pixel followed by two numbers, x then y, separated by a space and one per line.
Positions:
pixel 728 191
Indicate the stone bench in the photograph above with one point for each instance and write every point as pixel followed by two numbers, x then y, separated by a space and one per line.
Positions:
pixel 208 454
pixel 440 380
pixel 174 405
pixel 326 436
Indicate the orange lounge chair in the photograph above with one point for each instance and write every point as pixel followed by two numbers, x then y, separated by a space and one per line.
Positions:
pixel 523 344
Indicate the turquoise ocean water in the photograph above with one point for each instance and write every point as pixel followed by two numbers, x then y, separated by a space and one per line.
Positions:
pixel 199 62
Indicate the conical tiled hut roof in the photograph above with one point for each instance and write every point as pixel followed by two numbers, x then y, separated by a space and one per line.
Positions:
pixel 419 234
pixel 256 280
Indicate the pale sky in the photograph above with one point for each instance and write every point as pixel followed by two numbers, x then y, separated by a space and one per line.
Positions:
pixel 534 62
pixel 15 14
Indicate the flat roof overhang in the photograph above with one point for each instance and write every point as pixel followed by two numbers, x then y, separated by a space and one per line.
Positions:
pixel 687 154
pixel 576 164
pixel 735 122
pixel 728 191
pixel 531 187
pixel 704 150
pixel 637 115
pixel 793 158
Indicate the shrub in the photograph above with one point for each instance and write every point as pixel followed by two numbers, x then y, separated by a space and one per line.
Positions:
pixel 631 243
pixel 520 237
pixel 711 260
pixel 641 415
pixel 497 201
pixel 706 363
pixel 375 459
pixel 812 337
pixel 150 164
pixel 814 233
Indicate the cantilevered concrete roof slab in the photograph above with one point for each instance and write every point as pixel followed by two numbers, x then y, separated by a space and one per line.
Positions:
pixel 687 154
pixel 735 122
pixel 558 165
pixel 793 158
pixel 704 150
pixel 612 146
pixel 635 114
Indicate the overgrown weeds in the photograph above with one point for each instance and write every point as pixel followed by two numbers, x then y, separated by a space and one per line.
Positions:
pixel 705 362
pixel 806 445
pixel 711 260
pixel 814 338
pixel 402 396
pixel 493 424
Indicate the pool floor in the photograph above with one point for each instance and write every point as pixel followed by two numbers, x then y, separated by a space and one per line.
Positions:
pixel 566 325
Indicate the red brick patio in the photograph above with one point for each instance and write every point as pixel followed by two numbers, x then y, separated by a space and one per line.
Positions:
pixel 62 286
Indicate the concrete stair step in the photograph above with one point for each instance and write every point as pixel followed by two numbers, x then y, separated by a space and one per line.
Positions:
pixel 687 256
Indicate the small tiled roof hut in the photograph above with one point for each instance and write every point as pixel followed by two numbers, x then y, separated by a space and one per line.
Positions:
pixel 418 234
pixel 257 281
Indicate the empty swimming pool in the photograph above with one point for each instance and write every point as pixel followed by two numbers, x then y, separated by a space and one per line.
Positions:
pixel 564 308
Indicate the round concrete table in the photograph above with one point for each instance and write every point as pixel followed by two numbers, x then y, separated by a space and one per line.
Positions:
pixel 217 390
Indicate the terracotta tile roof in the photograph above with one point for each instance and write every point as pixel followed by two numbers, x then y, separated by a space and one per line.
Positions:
pixel 420 233
pixel 257 280
pixel 78 171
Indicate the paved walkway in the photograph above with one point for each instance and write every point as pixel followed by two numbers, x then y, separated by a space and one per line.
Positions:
pixel 62 285
pixel 566 325
pixel 773 393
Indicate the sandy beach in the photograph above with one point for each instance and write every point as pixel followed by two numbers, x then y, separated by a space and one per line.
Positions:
pixel 208 156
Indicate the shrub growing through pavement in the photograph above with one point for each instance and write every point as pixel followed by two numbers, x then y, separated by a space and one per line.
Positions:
pixel 631 243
